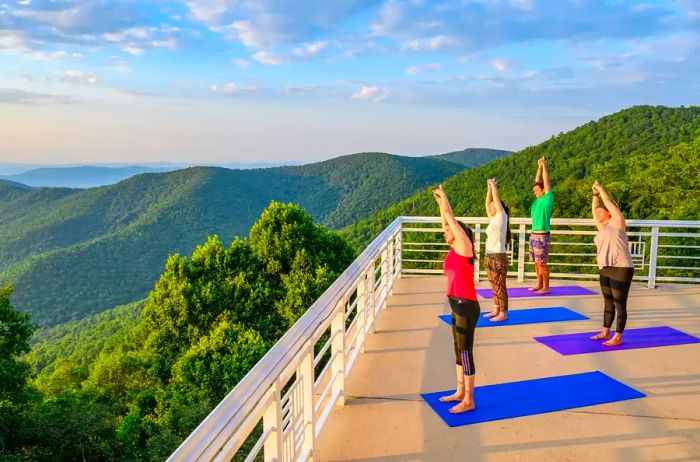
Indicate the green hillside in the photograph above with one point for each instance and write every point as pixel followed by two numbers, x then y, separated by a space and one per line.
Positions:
pixel 472 157
pixel 72 252
pixel 648 157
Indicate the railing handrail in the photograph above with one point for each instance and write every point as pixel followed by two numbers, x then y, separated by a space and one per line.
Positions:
pixel 562 221
pixel 258 380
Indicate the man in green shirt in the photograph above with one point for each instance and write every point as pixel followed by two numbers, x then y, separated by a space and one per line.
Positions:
pixel 541 213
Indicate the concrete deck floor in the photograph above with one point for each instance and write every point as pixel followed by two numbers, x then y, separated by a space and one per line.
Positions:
pixel 385 418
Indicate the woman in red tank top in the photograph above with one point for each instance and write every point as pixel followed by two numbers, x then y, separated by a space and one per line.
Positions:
pixel 459 269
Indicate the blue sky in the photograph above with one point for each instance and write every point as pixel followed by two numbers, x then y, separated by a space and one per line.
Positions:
pixel 267 81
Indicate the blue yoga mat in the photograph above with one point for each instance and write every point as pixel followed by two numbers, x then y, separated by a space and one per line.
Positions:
pixel 530 397
pixel 527 316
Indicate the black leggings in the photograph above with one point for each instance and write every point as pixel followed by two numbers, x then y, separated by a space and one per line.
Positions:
pixel 615 285
pixel 465 314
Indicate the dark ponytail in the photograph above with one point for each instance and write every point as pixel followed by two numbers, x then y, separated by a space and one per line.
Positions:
pixel 470 235
pixel 509 235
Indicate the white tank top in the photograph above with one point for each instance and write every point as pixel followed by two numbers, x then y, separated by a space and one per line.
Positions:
pixel 496 233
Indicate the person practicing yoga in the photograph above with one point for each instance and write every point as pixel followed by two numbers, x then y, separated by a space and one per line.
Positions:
pixel 541 213
pixel 459 268
pixel 614 262
pixel 497 237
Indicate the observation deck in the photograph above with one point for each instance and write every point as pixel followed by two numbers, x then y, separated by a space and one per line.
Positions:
pixel 345 382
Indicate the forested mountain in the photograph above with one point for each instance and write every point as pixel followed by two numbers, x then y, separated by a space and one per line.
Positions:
pixel 472 157
pixel 647 157
pixel 73 252
pixel 10 183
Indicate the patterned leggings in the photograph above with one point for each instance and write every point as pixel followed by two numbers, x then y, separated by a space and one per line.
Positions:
pixel 497 268
pixel 465 315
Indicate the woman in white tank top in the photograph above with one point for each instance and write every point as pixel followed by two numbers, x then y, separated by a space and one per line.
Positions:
pixel 497 238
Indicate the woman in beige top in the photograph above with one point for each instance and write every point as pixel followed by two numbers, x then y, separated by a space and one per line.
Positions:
pixel 614 262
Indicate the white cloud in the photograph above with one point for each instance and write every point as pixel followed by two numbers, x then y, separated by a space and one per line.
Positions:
pixel 309 50
pixel 224 89
pixel 269 58
pixel 43 56
pixel 121 68
pixel 423 68
pixel 80 77
pixel 242 63
pixel 390 16
pixel 371 93
pixel 501 65
pixel 170 43
pixel 435 43
pixel 132 49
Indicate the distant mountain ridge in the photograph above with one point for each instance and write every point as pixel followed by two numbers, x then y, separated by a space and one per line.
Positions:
pixel 472 157
pixel 87 176
pixel 72 252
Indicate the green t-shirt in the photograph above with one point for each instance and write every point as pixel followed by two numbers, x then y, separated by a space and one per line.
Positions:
pixel 541 212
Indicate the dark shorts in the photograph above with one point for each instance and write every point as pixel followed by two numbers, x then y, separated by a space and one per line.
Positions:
pixel 539 248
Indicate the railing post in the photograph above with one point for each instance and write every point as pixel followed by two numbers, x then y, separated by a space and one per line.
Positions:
pixel 366 322
pixel 272 420
pixel 398 264
pixel 306 375
pixel 338 353
pixel 384 286
pixel 390 266
pixel 371 282
pixel 652 256
pixel 521 253
pixel 477 251
pixel 361 314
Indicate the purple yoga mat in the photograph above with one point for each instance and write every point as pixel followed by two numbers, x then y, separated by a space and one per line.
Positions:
pixel 555 291
pixel 647 337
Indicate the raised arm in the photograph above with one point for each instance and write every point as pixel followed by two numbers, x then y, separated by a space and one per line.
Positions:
pixel 545 174
pixel 538 177
pixel 616 217
pixel 489 198
pixel 594 207
pixel 496 198
pixel 462 244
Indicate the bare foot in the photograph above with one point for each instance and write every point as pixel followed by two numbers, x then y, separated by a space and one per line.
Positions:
pixel 534 289
pixel 542 291
pixel 615 341
pixel 501 317
pixel 602 336
pixel 462 407
pixel 457 396
pixel 492 314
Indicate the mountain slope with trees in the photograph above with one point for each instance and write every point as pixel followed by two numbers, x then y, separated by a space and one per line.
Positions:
pixel 647 157
pixel 72 252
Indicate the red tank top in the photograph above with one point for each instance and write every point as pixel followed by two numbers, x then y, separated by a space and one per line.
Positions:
pixel 460 276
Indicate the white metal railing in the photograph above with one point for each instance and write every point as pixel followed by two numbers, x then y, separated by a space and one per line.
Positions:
pixel 662 251
pixel 278 409
pixel 280 406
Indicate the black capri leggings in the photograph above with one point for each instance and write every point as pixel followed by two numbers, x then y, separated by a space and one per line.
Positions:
pixel 465 314
pixel 615 285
